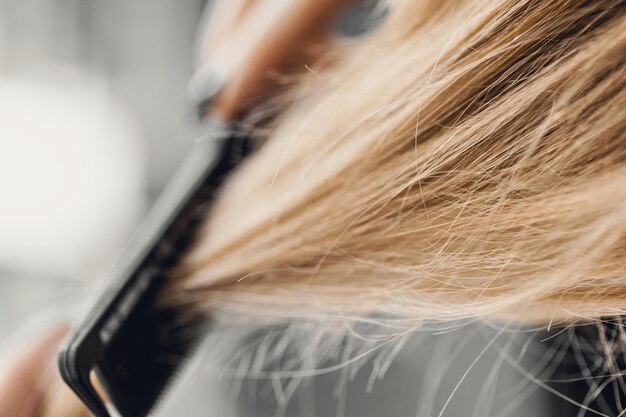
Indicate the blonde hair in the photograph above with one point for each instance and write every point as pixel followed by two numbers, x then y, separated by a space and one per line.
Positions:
pixel 466 159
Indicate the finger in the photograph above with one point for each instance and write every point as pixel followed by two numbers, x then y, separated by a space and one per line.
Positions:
pixel 60 401
pixel 225 15
pixel 21 391
pixel 268 34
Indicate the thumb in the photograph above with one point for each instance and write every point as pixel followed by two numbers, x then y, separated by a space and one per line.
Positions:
pixel 271 34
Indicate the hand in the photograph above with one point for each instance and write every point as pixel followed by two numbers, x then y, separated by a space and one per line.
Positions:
pixel 30 385
pixel 250 40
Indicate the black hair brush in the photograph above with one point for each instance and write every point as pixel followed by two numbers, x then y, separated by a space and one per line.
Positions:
pixel 130 341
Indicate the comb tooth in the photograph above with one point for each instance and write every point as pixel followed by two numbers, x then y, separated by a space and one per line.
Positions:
pixel 144 357
pixel 182 362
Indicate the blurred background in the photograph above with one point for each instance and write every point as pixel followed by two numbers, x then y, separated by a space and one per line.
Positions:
pixel 93 121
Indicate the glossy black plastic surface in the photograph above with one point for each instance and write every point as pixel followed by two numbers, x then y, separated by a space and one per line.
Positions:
pixel 132 343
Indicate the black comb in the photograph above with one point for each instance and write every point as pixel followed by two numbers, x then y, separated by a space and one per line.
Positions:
pixel 134 344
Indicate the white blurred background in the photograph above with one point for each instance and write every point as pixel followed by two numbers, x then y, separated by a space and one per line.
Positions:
pixel 92 124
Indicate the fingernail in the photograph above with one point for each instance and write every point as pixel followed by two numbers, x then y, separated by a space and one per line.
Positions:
pixel 204 85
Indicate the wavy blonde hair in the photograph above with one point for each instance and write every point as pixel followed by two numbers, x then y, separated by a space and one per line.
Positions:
pixel 465 159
